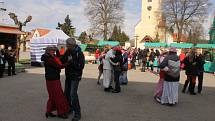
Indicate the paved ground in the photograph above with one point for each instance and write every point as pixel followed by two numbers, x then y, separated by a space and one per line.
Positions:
pixel 23 98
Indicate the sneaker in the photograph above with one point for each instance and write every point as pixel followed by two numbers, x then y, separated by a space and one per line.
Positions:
pixel 107 90
pixel 158 99
pixel 115 91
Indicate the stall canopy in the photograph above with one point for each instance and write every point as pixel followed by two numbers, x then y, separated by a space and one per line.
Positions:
pixel 83 47
pixel 205 46
pixel 181 45
pixel 213 46
pixel 111 43
pixel 157 44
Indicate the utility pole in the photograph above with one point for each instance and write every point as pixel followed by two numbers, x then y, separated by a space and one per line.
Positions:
pixel 136 38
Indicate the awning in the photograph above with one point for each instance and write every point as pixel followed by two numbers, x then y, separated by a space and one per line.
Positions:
pixel 11 31
pixel 111 43
pixel 205 46
pixel 181 45
pixel 156 44
pixel 83 47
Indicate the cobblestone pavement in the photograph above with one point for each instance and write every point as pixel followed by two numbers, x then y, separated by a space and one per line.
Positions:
pixel 23 98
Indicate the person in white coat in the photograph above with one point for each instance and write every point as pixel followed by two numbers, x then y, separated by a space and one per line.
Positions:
pixel 108 71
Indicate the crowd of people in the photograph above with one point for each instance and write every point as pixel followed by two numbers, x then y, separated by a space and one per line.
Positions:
pixel 7 56
pixel 73 61
pixel 113 64
pixel 170 64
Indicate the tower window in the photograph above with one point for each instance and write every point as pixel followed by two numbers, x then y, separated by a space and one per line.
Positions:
pixel 149 17
pixel 149 0
pixel 149 8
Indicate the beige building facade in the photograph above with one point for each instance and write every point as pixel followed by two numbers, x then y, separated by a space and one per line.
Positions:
pixel 151 24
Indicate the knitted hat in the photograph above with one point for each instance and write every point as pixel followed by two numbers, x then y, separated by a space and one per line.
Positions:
pixel 50 47
pixel 173 49
pixel 70 41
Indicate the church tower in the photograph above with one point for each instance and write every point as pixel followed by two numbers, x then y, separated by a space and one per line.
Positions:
pixel 147 29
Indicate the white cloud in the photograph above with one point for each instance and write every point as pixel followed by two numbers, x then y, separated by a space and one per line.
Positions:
pixel 47 13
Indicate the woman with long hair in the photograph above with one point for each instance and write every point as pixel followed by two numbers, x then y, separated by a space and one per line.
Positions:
pixel 57 100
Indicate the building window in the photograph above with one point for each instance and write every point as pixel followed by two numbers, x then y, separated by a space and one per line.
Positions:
pixel 149 8
pixel 149 0
pixel 149 17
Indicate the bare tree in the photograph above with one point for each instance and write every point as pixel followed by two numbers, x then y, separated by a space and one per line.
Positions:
pixel 182 14
pixel 103 15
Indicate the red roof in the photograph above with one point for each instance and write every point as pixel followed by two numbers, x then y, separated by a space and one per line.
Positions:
pixel 10 29
pixel 43 31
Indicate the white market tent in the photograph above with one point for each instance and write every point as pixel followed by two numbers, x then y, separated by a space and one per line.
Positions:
pixel 37 45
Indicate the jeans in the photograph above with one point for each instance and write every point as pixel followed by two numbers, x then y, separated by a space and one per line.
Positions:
pixel 74 97
pixel 11 66
pixel 143 67
pixel 67 90
pixel 2 67
pixel 200 81
pixel 116 80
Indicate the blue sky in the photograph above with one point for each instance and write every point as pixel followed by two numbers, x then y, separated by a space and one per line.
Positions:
pixel 46 13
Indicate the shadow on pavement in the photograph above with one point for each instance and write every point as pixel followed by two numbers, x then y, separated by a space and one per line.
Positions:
pixel 23 98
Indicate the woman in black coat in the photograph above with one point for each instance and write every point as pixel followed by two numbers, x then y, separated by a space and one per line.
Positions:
pixel 117 63
pixel 57 100
pixel 191 71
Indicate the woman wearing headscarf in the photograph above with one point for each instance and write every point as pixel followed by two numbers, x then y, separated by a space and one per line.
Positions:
pixel 57 100
pixel 171 66
pixel 159 87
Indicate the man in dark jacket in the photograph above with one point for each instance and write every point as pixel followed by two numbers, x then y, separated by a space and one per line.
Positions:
pixel 2 62
pixel 152 59
pixel 75 61
pixel 11 59
pixel 144 60
pixel 200 67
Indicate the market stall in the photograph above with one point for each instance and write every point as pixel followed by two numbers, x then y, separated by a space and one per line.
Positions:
pixel 210 57
pixel 37 45
pixel 110 43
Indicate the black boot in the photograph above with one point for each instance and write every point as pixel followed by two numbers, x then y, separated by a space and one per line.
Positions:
pixel 50 115
pixel 107 90
pixel 185 86
pixel 192 88
pixel 76 117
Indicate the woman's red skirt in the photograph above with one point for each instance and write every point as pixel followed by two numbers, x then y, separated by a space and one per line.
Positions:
pixel 57 100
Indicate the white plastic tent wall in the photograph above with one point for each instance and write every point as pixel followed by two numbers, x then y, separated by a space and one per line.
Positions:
pixel 37 45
